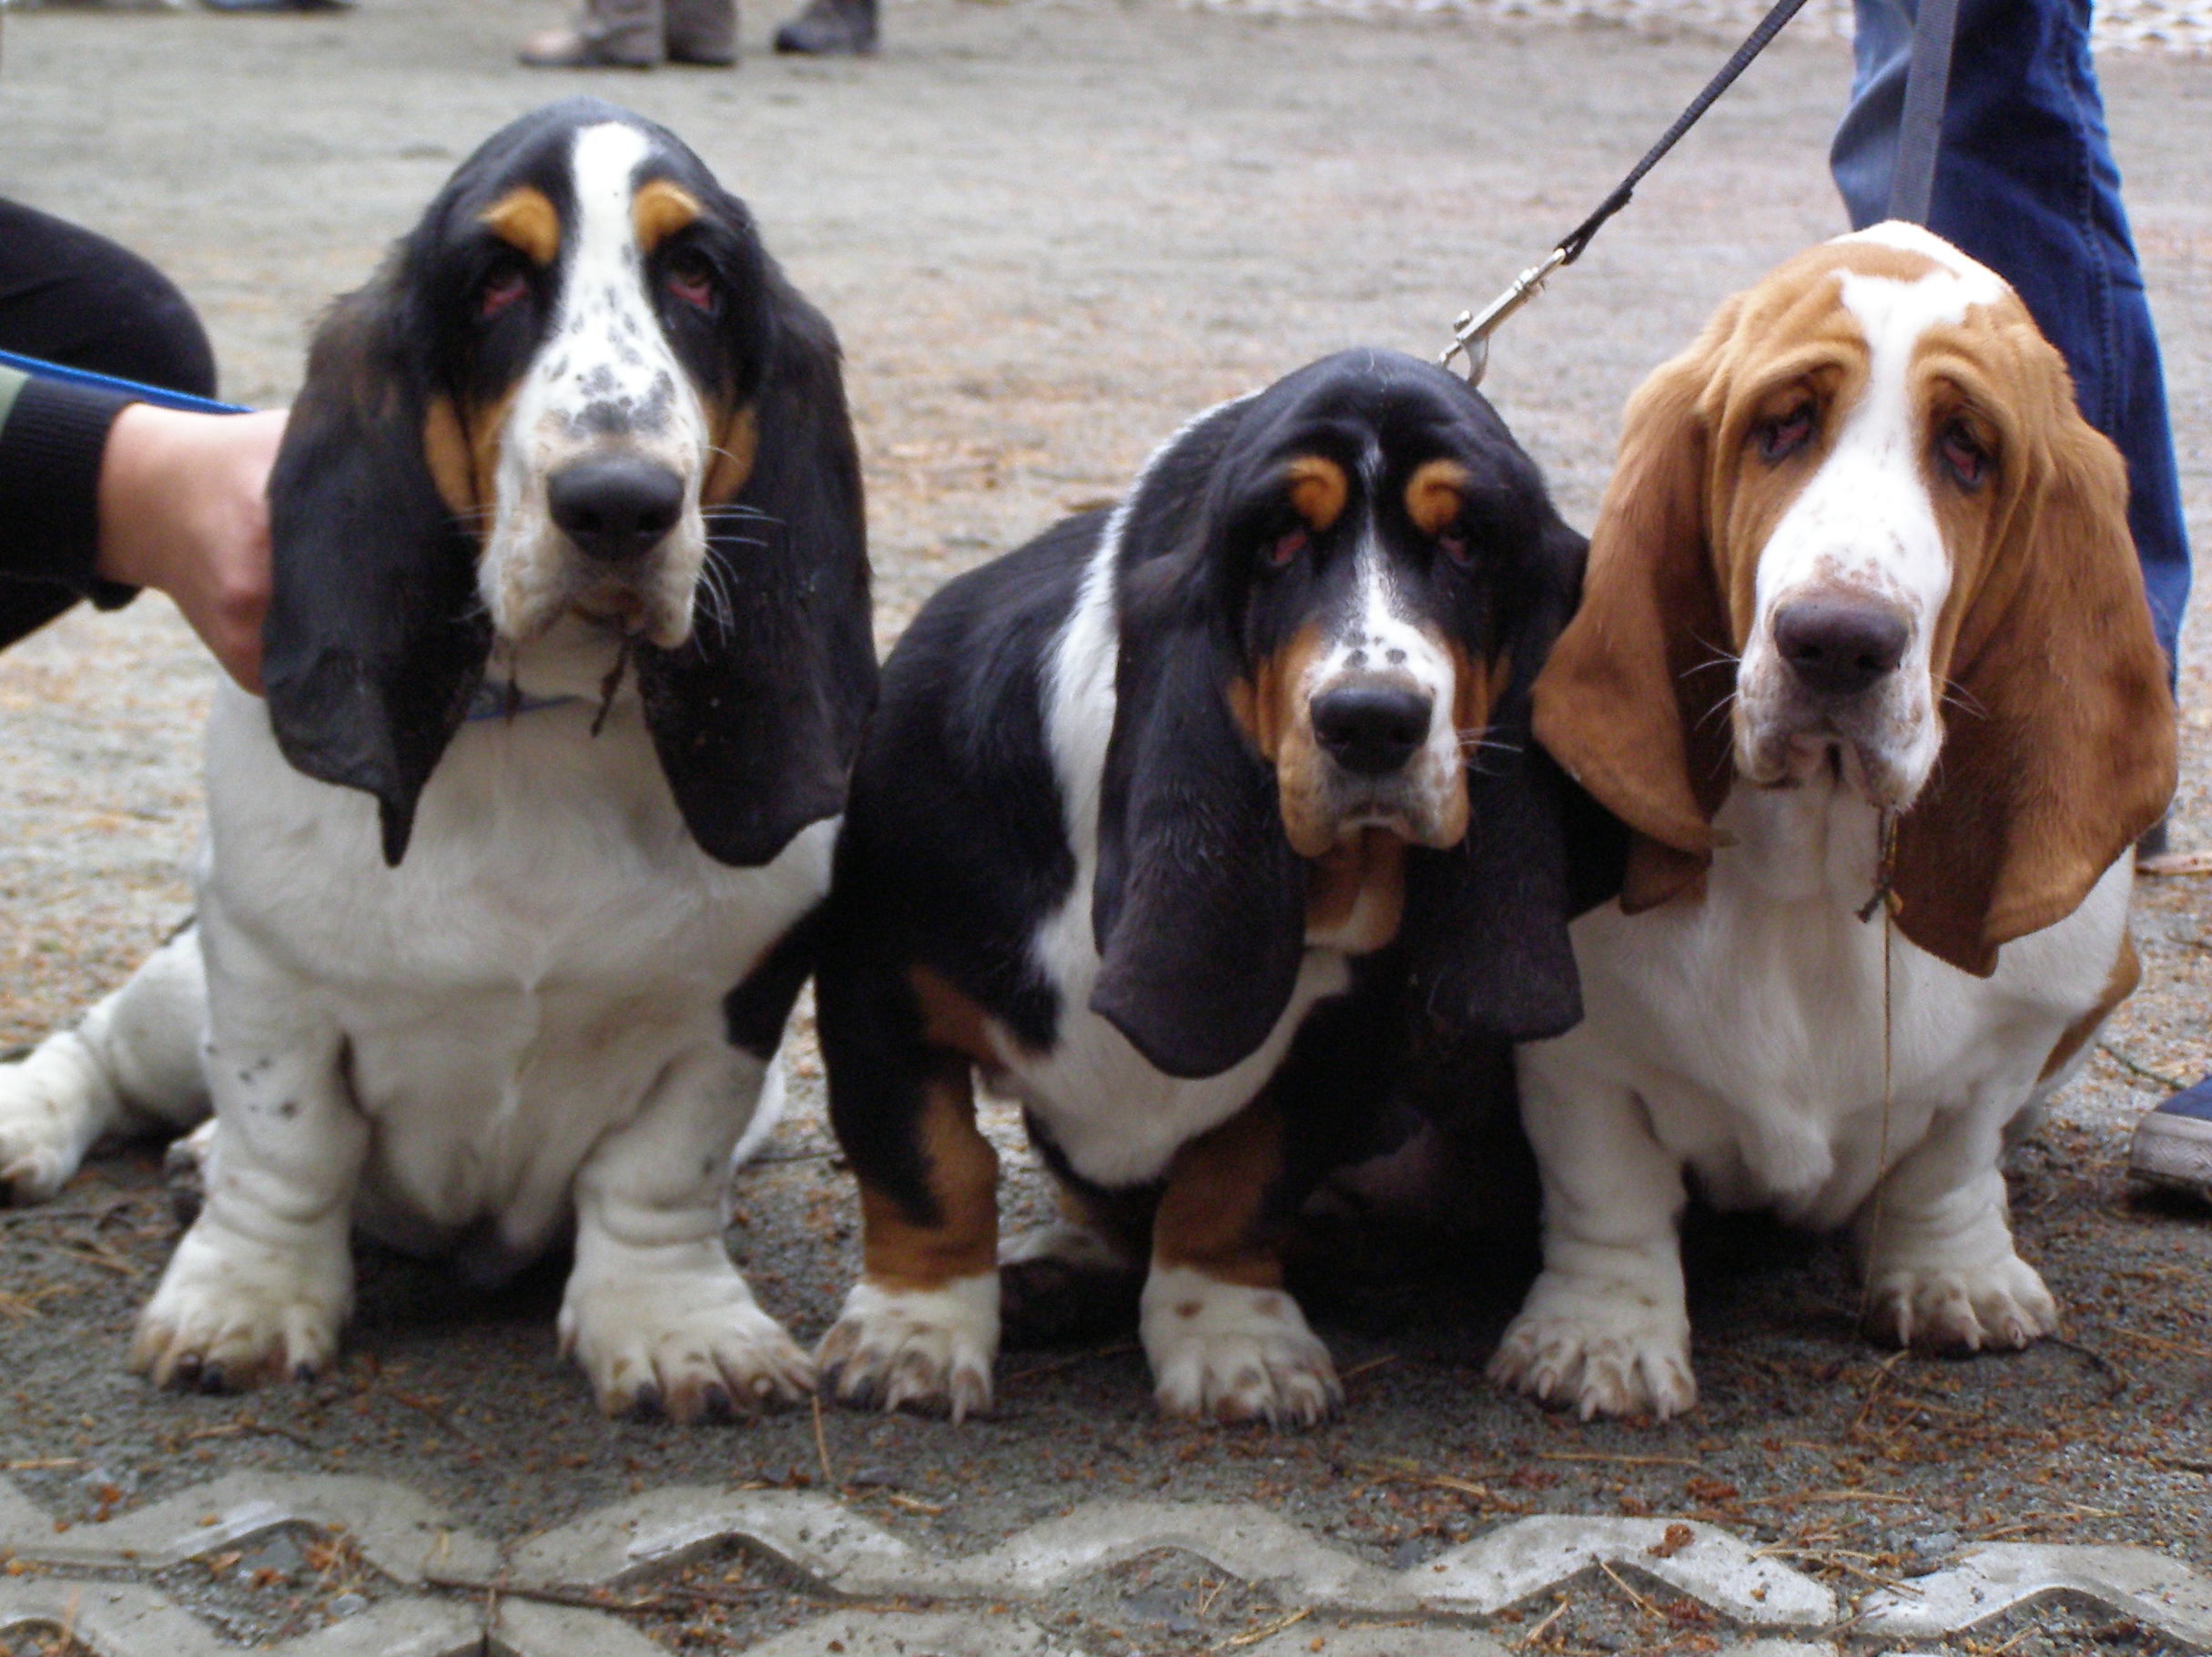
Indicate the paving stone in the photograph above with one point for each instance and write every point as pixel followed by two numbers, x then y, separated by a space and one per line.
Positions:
pixel 1530 1555
pixel 524 1628
pixel 125 1619
pixel 1989 1582
pixel 811 1533
pixel 912 1634
pixel 1392 1640
pixel 399 1532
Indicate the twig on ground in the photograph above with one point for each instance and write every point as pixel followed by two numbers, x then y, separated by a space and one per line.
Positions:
pixel 1642 1605
pixel 1253 1636
pixel 2144 1070
pixel 1070 1359
pixel 821 1444
pixel 1620 1460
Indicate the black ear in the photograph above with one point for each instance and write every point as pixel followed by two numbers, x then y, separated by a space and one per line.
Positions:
pixel 1486 925
pixel 375 640
pixel 1199 906
pixel 758 716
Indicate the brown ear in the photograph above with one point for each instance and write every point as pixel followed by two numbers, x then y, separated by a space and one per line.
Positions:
pixel 1633 700
pixel 2058 744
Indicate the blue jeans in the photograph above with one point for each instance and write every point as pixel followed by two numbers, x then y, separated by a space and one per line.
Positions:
pixel 2024 182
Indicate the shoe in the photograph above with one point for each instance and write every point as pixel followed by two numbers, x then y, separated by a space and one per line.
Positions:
pixel 573 49
pixel 2173 1144
pixel 830 28
pixel 704 57
pixel 2153 843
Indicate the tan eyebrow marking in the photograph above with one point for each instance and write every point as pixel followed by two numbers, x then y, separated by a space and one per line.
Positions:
pixel 1317 489
pixel 659 210
pixel 1434 494
pixel 525 219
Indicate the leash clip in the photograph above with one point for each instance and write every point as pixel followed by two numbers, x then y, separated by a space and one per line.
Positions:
pixel 1471 333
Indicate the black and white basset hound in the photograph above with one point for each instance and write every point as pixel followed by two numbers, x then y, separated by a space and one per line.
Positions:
pixel 501 906
pixel 1157 819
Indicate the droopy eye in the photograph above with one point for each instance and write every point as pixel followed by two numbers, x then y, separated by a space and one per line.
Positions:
pixel 1283 548
pixel 1785 434
pixel 1962 456
pixel 1456 548
pixel 692 279
pixel 506 284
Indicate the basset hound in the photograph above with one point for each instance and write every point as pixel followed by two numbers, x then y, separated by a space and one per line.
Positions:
pixel 506 887
pixel 1156 820
pixel 1864 571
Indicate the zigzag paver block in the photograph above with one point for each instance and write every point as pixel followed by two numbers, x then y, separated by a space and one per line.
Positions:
pixel 125 1619
pixel 1989 1582
pixel 843 1552
pixel 399 1532
pixel 1529 1555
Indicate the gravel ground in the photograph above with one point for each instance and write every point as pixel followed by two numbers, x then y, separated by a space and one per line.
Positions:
pixel 1048 231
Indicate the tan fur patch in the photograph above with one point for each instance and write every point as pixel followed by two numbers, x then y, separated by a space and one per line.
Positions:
pixel 732 467
pixel 1212 1216
pixel 961 1170
pixel 1270 709
pixel 953 1020
pixel 1434 494
pixel 659 210
pixel 526 220
pixel 463 454
pixel 1318 489
pixel 2119 984
pixel 1355 893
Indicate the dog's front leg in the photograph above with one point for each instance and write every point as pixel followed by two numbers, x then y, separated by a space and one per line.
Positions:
pixel 1226 1341
pixel 263 1281
pixel 1605 1328
pixel 655 1312
pixel 1935 1244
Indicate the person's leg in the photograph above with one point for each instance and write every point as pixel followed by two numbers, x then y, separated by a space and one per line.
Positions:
pixel 70 297
pixel 606 35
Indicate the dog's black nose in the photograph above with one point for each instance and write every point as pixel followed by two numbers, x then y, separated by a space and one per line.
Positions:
pixel 614 508
pixel 1372 729
pixel 1839 646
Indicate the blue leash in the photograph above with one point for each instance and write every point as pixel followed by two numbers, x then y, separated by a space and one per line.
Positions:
pixel 129 388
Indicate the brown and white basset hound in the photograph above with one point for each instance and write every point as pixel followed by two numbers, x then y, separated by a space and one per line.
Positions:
pixel 1862 562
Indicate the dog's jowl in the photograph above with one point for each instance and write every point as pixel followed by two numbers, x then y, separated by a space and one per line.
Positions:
pixel 1157 816
pixel 503 896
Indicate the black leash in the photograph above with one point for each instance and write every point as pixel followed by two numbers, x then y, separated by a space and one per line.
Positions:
pixel 1919 131
pixel 1471 333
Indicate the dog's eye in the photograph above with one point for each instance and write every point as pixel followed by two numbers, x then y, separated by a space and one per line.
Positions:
pixel 692 279
pixel 1784 435
pixel 1283 548
pixel 505 285
pixel 1963 457
pixel 1456 548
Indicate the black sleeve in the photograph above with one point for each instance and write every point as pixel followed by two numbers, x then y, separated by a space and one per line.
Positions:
pixel 68 296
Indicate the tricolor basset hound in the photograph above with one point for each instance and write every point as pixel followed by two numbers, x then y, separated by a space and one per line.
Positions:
pixel 1862 562
pixel 1157 821
pixel 503 900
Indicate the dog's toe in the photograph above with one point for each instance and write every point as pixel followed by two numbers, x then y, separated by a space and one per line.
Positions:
pixel 927 1350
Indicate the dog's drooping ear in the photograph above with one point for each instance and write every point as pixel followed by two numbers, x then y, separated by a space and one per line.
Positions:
pixel 1199 906
pixel 2059 739
pixel 375 641
pixel 758 716
pixel 1632 702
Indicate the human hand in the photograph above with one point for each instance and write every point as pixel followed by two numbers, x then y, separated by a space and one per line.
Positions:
pixel 184 507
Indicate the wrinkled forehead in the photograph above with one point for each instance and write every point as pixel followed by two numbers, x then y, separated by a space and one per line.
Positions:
pixel 557 184
pixel 1373 417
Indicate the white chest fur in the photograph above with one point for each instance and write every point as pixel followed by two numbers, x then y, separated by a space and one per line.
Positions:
pixel 551 946
pixel 1749 1024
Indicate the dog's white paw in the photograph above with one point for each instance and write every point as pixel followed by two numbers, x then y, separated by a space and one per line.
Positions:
pixel 1598 1349
pixel 1952 1309
pixel 1223 1352
pixel 232 1311
pixel 692 1345
pixel 50 1104
pixel 932 1348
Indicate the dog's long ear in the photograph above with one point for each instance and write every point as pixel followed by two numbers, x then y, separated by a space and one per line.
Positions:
pixel 1633 700
pixel 375 640
pixel 2059 739
pixel 758 716
pixel 1485 925
pixel 1199 903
